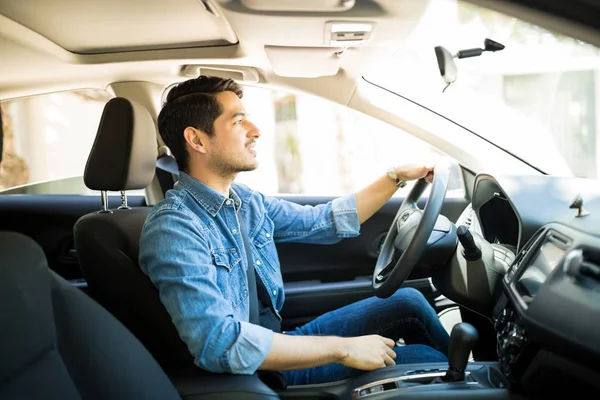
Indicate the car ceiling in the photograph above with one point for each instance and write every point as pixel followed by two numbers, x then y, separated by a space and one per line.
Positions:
pixel 60 44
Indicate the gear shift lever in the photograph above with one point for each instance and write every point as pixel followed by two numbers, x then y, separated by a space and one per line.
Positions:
pixel 463 338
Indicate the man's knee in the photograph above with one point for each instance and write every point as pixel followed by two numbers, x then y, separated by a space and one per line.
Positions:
pixel 412 299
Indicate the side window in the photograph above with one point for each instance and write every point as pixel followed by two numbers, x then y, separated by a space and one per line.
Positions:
pixel 315 147
pixel 47 140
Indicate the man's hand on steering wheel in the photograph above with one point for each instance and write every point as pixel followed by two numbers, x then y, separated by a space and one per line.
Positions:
pixel 412 171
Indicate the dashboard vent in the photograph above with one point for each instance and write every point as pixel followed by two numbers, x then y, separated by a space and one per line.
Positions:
pixel 590 270
pixel 579 264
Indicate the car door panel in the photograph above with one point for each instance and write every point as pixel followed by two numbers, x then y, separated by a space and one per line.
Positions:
pixel 49 220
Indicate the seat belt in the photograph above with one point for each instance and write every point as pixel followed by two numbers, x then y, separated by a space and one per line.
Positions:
pixel 273 379
pixel 251 272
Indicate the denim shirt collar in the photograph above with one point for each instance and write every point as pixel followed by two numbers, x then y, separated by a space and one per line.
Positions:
pixel 204 195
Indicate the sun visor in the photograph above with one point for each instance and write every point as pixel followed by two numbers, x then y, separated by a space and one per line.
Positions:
pixel 95 27
pixel 304 62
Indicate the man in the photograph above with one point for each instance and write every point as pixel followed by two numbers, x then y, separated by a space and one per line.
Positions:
pixel 192 248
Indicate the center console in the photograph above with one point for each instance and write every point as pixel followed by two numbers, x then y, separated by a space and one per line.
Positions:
pixel 449 381
pixel 457 379
pixel 545 312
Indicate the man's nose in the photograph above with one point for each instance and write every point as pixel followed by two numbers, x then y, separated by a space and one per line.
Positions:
pixel 253 132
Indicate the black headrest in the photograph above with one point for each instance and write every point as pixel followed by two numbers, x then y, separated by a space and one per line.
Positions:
pixel 124 153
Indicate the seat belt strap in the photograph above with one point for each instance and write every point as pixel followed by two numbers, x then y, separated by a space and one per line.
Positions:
pixel 250 272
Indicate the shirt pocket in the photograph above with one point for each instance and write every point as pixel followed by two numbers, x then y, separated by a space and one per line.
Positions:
pixel 230 275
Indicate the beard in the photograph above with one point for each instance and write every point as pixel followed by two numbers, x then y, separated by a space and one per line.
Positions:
pixel 226 164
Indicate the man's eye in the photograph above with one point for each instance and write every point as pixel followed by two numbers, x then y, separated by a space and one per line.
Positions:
pixel 239 122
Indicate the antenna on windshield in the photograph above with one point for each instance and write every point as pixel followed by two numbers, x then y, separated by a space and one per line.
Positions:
pixel 446 63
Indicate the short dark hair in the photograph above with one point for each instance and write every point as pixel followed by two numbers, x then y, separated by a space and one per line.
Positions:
pixel 192 103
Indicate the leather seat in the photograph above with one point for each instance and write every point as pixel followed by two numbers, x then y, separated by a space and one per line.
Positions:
pixel 122 158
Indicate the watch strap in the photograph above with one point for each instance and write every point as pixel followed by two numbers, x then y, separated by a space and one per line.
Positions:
pixel 391 172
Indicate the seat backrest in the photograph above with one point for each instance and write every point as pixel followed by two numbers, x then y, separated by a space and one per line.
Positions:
pixel 57 343
pixel 123 157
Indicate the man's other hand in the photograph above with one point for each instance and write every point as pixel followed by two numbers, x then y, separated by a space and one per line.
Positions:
pixel 368 352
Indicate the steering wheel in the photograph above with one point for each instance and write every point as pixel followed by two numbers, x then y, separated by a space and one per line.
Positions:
pixel 407 237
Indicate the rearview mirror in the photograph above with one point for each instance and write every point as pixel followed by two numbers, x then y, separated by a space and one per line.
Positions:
pixel 445 59
pixel 446 64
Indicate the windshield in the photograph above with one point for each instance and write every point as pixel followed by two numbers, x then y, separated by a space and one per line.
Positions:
pixel 537 98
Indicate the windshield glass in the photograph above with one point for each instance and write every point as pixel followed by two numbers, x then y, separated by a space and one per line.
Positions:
pixel 537 98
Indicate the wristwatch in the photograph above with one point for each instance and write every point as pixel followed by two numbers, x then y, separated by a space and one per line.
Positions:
pixel 391 172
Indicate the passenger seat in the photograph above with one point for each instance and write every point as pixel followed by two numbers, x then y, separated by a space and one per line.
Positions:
pixel 57 343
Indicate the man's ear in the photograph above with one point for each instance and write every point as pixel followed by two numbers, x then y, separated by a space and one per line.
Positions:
pixel 194 139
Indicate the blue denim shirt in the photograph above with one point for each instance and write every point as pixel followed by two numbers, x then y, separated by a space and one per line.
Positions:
pixel 192 250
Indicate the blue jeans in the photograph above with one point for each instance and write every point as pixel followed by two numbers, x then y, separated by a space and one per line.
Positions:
pixel 406 315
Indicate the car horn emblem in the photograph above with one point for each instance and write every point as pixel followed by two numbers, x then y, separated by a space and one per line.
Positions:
pixel 405 217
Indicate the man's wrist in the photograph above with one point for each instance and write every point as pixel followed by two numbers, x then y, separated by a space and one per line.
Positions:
pixel 396 177
pixel 340 349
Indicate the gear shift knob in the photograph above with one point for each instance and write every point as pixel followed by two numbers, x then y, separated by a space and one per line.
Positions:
pixel 463 338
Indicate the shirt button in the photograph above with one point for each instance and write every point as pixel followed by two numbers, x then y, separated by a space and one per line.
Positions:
pixel 257 262
pixel 234 230
pixel 268 235
pixel 228 202
pixel 274 292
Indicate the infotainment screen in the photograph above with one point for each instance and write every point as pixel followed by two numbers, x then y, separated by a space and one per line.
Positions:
pixel 540 267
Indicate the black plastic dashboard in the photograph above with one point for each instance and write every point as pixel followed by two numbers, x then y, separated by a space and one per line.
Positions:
pixel 531 202
pixel 547 319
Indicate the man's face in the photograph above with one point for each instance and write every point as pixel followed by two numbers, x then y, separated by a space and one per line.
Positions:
pixel 232 145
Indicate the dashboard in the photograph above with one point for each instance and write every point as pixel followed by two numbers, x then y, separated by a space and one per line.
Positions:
pixel 547 313
pixel 534 285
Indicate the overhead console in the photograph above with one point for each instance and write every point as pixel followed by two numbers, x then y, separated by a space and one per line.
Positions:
pixel 548 318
